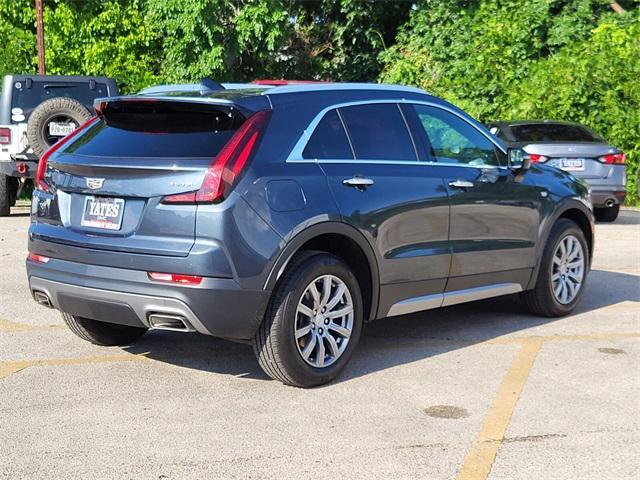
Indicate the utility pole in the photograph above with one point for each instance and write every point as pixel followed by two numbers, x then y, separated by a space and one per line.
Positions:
pixel 40 35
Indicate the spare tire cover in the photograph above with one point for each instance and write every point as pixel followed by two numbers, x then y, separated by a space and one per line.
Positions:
pixel 52 120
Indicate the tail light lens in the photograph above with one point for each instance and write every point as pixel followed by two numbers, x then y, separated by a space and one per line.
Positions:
pixel 224 171
pixel 536 158
pixel 34 257
pixel 42 164
pixel 614 158
pixel 5 136
pixel 175 278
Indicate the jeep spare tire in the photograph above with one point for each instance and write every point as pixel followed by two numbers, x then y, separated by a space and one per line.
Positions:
pixel 53 119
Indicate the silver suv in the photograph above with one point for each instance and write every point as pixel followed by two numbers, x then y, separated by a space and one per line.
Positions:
pixel 575 149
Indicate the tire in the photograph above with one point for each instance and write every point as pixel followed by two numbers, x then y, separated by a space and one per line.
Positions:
pixel 607 214
pixel 63 108
pixel 101 333
pixel 7 199
pixel 279 351
pixel 542 300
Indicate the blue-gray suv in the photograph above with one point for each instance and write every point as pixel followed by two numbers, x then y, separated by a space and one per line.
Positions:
pixel 289 217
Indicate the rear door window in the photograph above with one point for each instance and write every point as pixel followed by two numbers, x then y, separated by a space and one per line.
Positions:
pixel 329 140
pixel 453 141
pixel 159 130
pixel 378 132
pixel 29 98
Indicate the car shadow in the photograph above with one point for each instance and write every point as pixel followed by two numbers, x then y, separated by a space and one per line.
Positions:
pixel 383 343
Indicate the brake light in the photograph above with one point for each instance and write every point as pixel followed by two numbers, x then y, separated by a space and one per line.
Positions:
pixel 224 171
pixel 42 164
pixel 614 158
pixel 34 257
pixel 536 158
pixel 5 136
pixel 175 278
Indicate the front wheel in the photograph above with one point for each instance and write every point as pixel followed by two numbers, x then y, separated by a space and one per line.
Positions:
pixel 313 322
pixel 562 274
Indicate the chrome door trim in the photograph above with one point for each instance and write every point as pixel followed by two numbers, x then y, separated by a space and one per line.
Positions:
pixel 295 156
pixel 416 304
pixel 429 302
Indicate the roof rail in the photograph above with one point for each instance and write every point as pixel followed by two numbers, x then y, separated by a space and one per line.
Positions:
pixel 328 86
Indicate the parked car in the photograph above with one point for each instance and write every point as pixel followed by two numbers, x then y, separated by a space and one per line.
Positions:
pixel 288 218
pixel 576 149
pixel 35 112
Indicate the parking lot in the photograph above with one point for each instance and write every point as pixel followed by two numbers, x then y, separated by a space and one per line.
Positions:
pixel 469 392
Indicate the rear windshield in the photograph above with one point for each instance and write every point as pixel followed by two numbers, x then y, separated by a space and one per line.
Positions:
pixel 552 132
pixel 159 129
pixel 29 98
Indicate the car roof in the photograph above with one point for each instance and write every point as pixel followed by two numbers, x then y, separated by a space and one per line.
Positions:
pixel 197 87
pixel 513 123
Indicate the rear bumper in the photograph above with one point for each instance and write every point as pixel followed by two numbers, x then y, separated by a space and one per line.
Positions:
pixel 607 195
pixel 218 306
pixel 20 169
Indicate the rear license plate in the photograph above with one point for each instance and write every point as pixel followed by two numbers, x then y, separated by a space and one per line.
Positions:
pixel 572 164
pixel 103 212
pixel 61 129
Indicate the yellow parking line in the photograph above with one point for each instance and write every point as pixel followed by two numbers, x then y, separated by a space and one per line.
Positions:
pixel 9 368
pixel 480 458
pixel 10 326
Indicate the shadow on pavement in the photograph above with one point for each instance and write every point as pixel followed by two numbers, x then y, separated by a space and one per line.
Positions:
pixel 425 334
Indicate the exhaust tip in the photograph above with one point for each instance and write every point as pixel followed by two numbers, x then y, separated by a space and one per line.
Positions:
pixel 169 321
pixel 610 203
pixel 42 298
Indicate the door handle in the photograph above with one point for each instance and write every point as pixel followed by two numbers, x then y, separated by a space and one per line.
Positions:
pixel 461 184
pixel 361 183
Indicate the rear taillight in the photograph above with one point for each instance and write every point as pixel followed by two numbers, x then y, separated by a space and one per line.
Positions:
pixel 5 136
pixel 536 158
pixel 224 171
pixel 614 158
pixel 175 278
pixel 42 164
pixel 34 257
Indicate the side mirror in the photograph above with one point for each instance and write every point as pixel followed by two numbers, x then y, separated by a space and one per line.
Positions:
pixel 519 160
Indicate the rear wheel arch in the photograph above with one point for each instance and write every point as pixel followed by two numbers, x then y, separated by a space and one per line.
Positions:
pixel 344 242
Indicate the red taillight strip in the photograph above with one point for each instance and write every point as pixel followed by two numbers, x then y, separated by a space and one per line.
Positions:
pixel 537 158
pixel 42 164
pixel 227 166
pixel 175 278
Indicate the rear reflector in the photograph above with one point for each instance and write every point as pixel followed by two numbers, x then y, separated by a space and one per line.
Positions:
pixel 614 158
pixel 34 257
pixel 175 278
pixel 224 171
pixel 41 183
pixel 5 136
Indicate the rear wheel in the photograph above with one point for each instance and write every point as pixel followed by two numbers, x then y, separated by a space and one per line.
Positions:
pixel 607 214
pixel 313 323
pixel 102 333
pixel 562 273
pixel 5 195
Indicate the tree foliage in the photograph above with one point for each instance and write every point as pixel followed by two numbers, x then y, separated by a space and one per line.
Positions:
pixel 506 59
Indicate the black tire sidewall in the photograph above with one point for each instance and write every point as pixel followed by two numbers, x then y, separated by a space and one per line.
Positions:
pixel 563 229
pixel 310 269
pixel 45 112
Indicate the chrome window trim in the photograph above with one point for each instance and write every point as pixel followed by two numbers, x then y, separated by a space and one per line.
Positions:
pixel 295 156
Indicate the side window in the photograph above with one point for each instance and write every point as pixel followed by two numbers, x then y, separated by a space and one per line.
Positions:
pixel 329 140
pixel 454 141
pixel 378 132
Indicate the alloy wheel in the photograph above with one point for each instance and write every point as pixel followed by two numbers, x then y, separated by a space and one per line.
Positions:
pixel 324 321
pixel 567 269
